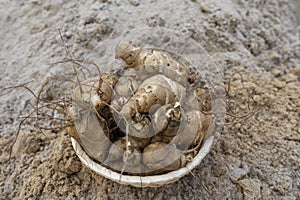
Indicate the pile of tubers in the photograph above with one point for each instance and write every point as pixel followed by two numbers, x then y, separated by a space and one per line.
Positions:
pixel 147 119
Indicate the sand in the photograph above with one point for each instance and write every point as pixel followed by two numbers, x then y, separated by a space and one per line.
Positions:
pixel 257 159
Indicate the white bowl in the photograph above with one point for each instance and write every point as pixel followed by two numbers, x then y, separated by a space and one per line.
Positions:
pixel 143 181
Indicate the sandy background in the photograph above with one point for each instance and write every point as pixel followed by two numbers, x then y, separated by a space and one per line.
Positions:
pixel 259 159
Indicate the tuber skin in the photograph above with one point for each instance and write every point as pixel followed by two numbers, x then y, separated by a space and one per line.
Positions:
pixel 116 151
pixel 95 92
pixel 189 130
pixel 160 118
pixel 155 90
pixel 166 121
pixel 119 158
pixel 148 96
pixel 162 156
pixel 204 99
pixel 90 131
pixel 141 129
pixel 134 57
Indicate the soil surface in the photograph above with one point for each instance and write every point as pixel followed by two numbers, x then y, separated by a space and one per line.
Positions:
pixel 258 44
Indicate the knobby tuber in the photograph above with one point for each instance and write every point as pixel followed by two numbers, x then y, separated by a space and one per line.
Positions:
pixel 154 104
